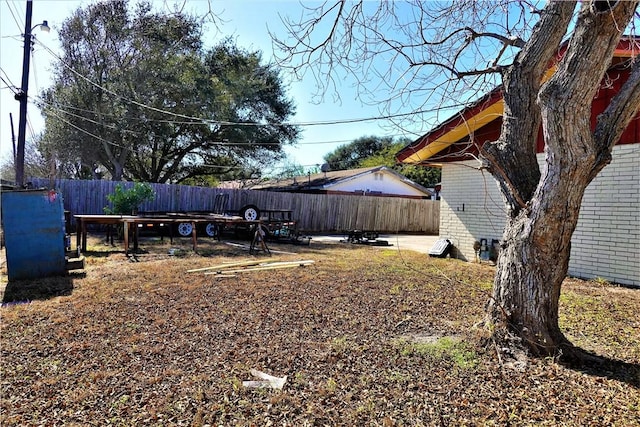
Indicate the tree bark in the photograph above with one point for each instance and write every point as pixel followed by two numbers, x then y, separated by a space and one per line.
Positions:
pixel 513 156
pixel 536 244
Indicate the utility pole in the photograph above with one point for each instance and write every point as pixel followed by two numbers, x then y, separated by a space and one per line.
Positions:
pixel 22 97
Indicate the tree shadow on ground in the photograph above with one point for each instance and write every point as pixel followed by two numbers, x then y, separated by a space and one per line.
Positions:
pixel 601 366
pixel 17 291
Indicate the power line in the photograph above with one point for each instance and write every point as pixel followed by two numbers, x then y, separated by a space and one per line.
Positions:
pixel 60 110
pixel 17 21
pixel 87 132
pixel 165 157
pixel 66 107
pixel 54 111
pixel 32 132
pixel 204 121
pixel 192 119
pixel 221 143
pixel 9 86
pixel 113 127
pixel 35 69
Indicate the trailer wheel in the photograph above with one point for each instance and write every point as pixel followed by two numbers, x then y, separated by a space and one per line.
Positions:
pixel 211 229
pixel 185 229
pixel 250 213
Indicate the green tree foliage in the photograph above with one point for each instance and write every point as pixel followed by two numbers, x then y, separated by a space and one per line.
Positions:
pixel 370 151
pixel 137 94
pixel 127 201
pixel 350 155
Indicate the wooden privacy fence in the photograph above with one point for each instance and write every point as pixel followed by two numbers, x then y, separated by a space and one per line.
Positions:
pixel 313 212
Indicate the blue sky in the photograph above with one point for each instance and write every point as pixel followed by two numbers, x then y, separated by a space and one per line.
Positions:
pixel 245 20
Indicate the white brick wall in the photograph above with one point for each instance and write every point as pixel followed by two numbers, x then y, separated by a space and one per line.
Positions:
pixel 471 207
pixel 606 242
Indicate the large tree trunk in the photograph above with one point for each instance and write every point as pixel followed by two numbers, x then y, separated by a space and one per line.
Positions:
pixel 535 259
pixel 536 245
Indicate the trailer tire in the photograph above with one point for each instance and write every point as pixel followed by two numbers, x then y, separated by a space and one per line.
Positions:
pixel 250 213
pixel 185 229
pixel 211 229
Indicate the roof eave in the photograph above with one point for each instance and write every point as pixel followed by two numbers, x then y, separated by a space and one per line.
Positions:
pixel 480 113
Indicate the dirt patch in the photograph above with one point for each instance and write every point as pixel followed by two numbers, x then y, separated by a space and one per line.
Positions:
pixel 364 337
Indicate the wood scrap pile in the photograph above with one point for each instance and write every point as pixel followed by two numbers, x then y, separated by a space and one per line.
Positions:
pixel 232 268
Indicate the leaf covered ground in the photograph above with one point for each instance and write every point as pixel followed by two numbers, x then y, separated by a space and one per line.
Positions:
pixel 365 336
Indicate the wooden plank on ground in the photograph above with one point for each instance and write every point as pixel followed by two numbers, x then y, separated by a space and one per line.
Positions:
pixel 291 264
pixel 227 265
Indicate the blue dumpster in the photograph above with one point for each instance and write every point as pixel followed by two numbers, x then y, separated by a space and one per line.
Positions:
pixel 33 223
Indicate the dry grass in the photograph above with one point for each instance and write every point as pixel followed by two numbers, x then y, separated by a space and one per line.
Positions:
pixel 366 336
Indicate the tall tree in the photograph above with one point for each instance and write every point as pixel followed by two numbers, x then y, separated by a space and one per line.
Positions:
pixel 349 156
pixel 424 50
pixel 137 95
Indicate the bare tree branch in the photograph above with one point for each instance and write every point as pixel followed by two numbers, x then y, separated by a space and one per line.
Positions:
pixel 521 118
pixel 403 45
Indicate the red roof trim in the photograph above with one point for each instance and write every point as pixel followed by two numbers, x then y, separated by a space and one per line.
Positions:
pixel 627 47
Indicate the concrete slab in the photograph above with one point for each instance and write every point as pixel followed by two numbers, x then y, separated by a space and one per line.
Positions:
pixel 410 242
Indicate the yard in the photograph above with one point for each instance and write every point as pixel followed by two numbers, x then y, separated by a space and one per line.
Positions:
pixel 364 336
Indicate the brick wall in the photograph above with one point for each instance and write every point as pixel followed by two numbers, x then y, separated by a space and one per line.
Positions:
pixel 606 242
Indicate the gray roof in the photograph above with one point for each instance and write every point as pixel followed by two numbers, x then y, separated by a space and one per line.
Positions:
pixel 323 180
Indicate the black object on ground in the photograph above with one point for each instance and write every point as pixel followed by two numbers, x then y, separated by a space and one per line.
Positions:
pixel 441 248
pixel 365 238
